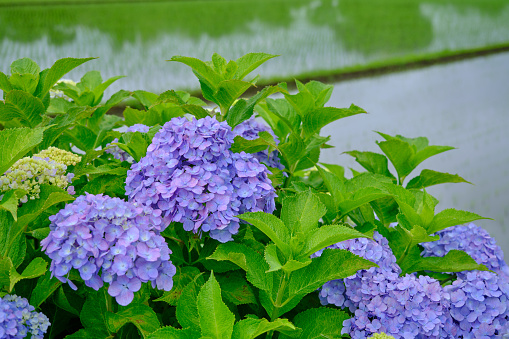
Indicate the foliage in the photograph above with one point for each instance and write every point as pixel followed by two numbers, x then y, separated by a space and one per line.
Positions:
pixel 234 222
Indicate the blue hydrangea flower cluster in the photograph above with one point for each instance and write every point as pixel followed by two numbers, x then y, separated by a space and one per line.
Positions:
pixel 479 300
pixel 119 153
pixel 190 174
pixel 109 241
pixel 404 307
pixel 249 130
pixel 18 319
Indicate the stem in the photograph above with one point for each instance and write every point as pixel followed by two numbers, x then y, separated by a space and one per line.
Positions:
pixel 279 298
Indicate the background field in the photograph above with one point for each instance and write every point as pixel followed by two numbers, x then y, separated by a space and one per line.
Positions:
pixel 318 37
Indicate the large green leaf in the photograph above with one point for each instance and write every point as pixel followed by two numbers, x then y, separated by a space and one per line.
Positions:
pixel 264 141
pixel 247 259
pixel 169 332
pixel 182 278
pixel 326 236
pixel 36 268
pixel 243 109
pixel 25 66
pixel 204 72
pixel 319 323
pixel 249 62
pixel 451 217
pixel 315 120
pixel 453 261
pixel 301 212
pixel 429 178
pixel 99 90
pixel 229 90
pixel 252 328
pixel 235 288
pixel 141 316
pixel 187 309
pixel 273 227
pixel 17 142
pixel 94 312
pixel 60 68
pixel 23 106
pixel 44 289
pixel 64 122
pixel 10 201
pixel 216 320
pixel 372 162
pixel 334 185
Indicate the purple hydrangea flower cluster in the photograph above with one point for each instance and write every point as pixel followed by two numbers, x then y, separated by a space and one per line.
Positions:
pixel 119 153
pixel 382 301
pixel 249 130
pixel 472 239
pixel 479 299
pixel 110 241
pixel 191 175
pixel 18 319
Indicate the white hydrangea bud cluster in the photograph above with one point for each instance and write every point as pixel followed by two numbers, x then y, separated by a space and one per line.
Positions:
pixel 59 155
pixel 30 172
pixel 55 93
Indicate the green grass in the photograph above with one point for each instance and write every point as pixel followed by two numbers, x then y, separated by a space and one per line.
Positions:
pixel 348 35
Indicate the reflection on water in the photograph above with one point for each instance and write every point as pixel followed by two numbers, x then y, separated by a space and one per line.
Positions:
pixel 318 36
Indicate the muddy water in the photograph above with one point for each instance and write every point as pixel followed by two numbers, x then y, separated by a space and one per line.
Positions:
pixel 463 104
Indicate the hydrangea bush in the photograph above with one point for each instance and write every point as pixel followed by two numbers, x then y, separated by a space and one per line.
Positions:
pixel 213 217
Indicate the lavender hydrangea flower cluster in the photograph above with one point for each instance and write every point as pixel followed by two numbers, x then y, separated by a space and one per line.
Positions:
pixel 191 175
pixel 110 241
pixel 249 130
pixel 120 154
pixel 404 307
pixel 479 299
pixel 18 319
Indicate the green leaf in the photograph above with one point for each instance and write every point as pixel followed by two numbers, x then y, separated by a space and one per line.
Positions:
pixel 62 301
pixel 247 259
pixel 429 178
pixel 169 332
pixel 453 261
pixel 134 143
pixel 264 141
pixel 334 185
pixel 40 233
pixel 9 201
pixel 249 62
pixel 25 66
pixel 5 85
pixel 301 212
pixel 235 288
pixel 27 83
pixel 272 258
pixel 5 269
pixel 273 227
pixel 252 328
pixel 44 288
pixel 322 116
pixel 285 112
pixel 36 268
pixel 89 333
pixel 292 151
pixel 197 111
pixel 105 184
pixel 407 153
pixel 99 90
pixel 326 236
pixel 216 320
pixel 372 162
pixel 331 265
pixel 182 278
pixel 94 312
pixel 63 123
pixel 229 90
pixel 451 217
pixel 141 316
pixel 58 70
pixel 17 142
pixel 320 91
pixel 243 109
pixel 320 323
pixel 187 307
pixel 203 71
